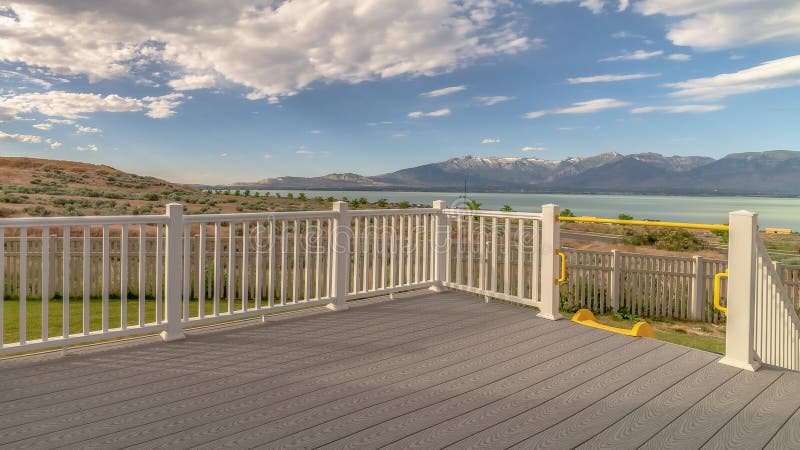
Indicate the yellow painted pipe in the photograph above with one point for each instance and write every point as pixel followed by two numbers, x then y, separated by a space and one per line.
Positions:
pixel 647 223
pixel 640 329
pixel 717 288
pixel 563 276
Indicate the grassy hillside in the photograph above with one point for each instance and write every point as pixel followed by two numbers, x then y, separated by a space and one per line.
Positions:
pixel 41 187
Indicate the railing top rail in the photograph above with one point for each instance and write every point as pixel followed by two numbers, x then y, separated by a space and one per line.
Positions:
pixel 648 223
pixel 265 216
pixel 27 222
pixel 392 212
pixel 498 214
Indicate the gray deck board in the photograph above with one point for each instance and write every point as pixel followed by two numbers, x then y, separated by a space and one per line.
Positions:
pixel 424 371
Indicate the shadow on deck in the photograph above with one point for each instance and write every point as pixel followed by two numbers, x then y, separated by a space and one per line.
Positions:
pixel 425 371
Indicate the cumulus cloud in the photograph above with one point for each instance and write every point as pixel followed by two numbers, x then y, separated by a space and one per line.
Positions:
pixel 490 141
pixel 586 107
pixel 85 148
pixel 43 126
pixel 677 109
pixel 24 138
pixel 610 78
pixel 71 105
pixel 638 55
pixel 622 5
pixel 54 145
pixel 320 42
pixel 718 24
pixel 774 74
pixel 679 57
pixel 87 130
pixel 192 82
pixel 444 91
pixel 7 113
pixel 533 149
pixel 437 113
pixel 489 101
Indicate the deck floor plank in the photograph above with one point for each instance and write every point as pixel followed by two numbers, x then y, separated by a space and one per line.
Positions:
pixel 427 370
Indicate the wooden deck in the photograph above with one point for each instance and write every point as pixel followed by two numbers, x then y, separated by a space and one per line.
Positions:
pixel 426 371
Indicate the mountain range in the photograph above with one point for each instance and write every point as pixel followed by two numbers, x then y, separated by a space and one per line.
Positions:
pixel 756 173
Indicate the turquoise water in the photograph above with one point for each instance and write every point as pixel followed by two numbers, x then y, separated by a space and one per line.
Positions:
pixel 772 212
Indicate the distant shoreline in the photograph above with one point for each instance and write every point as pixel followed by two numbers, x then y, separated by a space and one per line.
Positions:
pixel 484 191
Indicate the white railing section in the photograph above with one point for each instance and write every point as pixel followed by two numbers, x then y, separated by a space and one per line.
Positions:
pixel 495 254
pixel 33 249
pixel 238 265
pixel 392 250
pixel 777 327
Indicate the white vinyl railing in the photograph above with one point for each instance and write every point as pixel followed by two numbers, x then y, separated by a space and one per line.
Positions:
pixel 72 280
pixel 58 250
pixel 777 327
pixel 495 254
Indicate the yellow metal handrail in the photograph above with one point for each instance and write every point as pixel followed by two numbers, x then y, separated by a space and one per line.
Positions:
pixel 717 288
pixel 648 223
pixel 563 276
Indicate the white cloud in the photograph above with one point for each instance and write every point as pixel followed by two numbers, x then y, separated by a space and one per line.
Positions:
pixel 267 156
pixel 566 128
pixel 489 101
pixel 679 57
pixel 304 152
pixel 490 141
pixel 54 145
pixel 62 121
pixel 71 105
pixel 385 122
pixel 7 114
pixel 438 113
pixel 610 78
pixel 735 57
pixel 87 130
pixel 280 48
pixel 718 24
pixel 162 107
pixel 43 126
pixel 677 109
pixel 638 55
pixel 24 138
pixel 399 135
pixel 586 107
pixel 192 82
pixel 533 149
pixel 623 5
pixel 778 73
pixel 89 148
pixel 444 91
pixel 314 132
pixel 595 6
pixel 223 155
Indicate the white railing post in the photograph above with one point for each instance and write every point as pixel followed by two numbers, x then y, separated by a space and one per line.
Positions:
pixel 340 259
pixel 739 327
pixel 551 265
pixel 174 273
pixel 440 246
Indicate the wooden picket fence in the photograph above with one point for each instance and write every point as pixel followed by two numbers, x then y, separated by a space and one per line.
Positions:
pixel 652 286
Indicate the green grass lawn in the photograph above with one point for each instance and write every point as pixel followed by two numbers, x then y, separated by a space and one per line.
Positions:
pixel 55 317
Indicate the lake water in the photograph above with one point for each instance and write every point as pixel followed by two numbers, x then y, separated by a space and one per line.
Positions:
pixel 772 212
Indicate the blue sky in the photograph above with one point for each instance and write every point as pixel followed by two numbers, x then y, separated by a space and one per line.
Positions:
pixel 190 93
